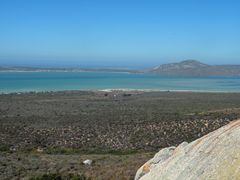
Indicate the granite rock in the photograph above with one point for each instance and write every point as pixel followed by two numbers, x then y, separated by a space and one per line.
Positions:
pixel 214 156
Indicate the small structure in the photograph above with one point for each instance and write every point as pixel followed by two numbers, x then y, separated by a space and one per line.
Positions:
pixel 87 162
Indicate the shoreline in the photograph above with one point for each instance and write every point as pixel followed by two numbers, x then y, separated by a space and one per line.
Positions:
pixel 124 90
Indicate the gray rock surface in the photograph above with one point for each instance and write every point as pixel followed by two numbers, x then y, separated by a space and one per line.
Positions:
pixel 214 156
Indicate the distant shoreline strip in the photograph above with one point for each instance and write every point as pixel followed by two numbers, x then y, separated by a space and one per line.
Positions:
pixel 116 90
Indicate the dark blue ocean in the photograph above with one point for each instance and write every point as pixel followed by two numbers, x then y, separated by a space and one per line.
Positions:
pixel 58 81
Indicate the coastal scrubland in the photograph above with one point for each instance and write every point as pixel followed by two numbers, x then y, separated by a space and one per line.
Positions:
pixel 48 135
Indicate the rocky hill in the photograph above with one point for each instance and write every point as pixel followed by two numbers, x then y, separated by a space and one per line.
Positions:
pixel 214 156
pixel 196 68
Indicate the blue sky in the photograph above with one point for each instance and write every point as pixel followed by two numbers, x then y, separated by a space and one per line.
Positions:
pixel 134 33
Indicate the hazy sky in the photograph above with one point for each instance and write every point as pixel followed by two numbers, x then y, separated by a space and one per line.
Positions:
pixel 118 32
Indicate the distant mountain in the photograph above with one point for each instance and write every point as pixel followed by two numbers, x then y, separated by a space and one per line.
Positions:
pixel 196 68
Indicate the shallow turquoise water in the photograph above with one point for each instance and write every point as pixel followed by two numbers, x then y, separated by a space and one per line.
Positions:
pixel 57 81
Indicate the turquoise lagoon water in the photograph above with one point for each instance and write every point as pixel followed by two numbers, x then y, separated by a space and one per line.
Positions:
pixel 58 81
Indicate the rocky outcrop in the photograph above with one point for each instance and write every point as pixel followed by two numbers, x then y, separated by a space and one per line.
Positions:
pixel 214 156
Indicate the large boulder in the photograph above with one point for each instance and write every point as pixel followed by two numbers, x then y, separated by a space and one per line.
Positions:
pixel 214 156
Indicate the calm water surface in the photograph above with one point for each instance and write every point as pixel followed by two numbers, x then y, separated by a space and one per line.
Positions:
pixel 57 81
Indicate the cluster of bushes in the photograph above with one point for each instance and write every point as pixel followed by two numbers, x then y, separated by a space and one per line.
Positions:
pixel 59 177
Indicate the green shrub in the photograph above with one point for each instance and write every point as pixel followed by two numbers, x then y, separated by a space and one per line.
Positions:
pixel 4 148
pixel 59 177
